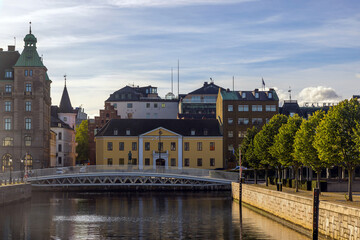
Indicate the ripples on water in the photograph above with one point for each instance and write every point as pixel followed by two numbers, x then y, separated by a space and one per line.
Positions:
pixel 169 215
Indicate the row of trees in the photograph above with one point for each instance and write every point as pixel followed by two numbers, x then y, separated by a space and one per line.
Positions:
pixel 324 140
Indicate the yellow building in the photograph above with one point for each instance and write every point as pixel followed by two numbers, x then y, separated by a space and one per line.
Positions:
pixel 179 143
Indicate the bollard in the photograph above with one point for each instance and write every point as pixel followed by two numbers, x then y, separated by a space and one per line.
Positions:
pixel 316 213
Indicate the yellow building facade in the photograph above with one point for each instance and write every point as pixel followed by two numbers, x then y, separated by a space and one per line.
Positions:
pixel 160 144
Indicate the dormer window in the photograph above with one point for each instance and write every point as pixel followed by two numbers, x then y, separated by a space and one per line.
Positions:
pixel 243 95
pixel 26 73
pixel 115 132
pixel 128 132
pixel 270 95
pixel 30 73
pixel 205 132
pixel 192 132
pixel 256 95
pixel 8 74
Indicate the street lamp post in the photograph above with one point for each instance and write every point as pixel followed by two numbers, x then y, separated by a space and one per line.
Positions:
pixel 22 169
pixel 159 147
pixel 10 164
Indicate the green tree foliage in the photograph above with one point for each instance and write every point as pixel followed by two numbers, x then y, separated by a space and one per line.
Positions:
pixel 82 139
pixel 248 155
pixel 283 147
pixel 305 151
pixel 265 139
pixel 335 139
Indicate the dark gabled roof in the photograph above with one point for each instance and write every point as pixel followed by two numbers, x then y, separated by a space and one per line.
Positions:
pixel 180 126
pixel 7 61
pixel 207 88
pixel 249 95
pixel 290 106
pixel 130 93
pixel 55 121
pixel 65 104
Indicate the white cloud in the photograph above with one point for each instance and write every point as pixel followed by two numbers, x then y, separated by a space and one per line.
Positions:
pixel 318 94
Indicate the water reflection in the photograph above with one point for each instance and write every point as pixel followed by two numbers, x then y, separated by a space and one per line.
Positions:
pixel 136 216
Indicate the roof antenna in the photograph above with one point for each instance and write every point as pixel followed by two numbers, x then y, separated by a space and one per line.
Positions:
pixel 172 75
pixel 289 92
pixel 233 83
pixel 30 27
pixel 65 79
pixel 15 42
pixel 178 78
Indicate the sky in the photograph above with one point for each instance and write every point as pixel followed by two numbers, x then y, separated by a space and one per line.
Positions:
pixel 311 47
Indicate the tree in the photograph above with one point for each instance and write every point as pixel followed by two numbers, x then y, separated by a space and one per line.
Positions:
pixel 283 147
pixel 265 139
pixel 248 155
pixel 335 139
pixel 305 152
pixel 82 139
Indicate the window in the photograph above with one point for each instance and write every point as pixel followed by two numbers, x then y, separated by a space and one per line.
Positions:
pixel 7 106
pixel 243 95
pixel 147 161
pixel 270 95
pixel 160 146
pixel 28 87
pixel 8 142
pixel 155 105
pixel 65 119
pixel 134 146
pixel 155 115
pixel 26 73
pixel 147 105
pixel 60 136
pixel 206 132
pixel 27 141
pixel 30 73
pixel 199 146
pixel 212 162
pixel 230 108
pixel 121 161
pixel 129 105
pixel 257 121
pixel 8 74
pixel 121 146
pixel 173 162
pixel 27 123
pixel 134 161
pixel 59 160
pixel 8 88
pixel 186 146
pixel 59 148
pixel 163 105
pixel 230 121
pixel 241 134
pixel 212 146
pixel 230 134
pixel 270 108
pixel 28 106
pixel 147 146
pixel 109 146
pixel 147 115
pixel 186 162
pixel 257 108
pixel 244 121
pixel 128 132
pixel 292 114
pixel 116 132
pixel 199 162
pixel 109 161
pixel 173 146
pixel 192 132
pixel 256 95
pixel 7 123
pixel 243 108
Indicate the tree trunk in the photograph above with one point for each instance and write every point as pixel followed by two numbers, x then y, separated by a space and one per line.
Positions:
pixel 266 177
pixel 296 179
pixel 318 175
pixel 350 171
pixel 255 176
pixel 279 174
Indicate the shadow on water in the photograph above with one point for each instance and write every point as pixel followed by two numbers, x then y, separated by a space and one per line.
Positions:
pixel 146 215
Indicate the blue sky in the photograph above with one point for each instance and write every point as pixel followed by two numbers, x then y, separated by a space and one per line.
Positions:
pixel 103 45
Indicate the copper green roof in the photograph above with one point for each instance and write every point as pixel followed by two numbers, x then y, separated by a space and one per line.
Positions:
pixel 29 57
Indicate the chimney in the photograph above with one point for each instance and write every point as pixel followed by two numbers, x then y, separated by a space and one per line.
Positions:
pixel 205 84
pixel 11 48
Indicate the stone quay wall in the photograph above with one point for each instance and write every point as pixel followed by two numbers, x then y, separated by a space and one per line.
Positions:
pixel 335 221
pixel 13 193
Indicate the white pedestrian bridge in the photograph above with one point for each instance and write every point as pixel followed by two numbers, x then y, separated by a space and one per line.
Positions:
pixel 128 176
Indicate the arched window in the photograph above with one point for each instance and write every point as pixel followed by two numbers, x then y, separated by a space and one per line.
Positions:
pixel 28 161
pixel 5 163
pixel 27 141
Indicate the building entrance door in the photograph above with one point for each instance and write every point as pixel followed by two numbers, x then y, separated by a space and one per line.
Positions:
pixel 160 162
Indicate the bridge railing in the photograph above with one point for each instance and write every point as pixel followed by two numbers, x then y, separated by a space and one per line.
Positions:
pixel 35 173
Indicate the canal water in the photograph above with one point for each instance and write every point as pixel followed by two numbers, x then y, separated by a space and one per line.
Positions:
pixel 146 215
